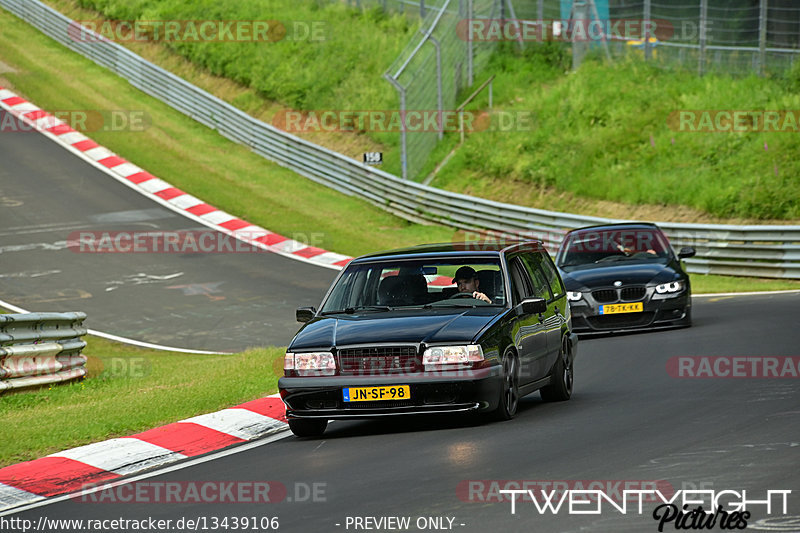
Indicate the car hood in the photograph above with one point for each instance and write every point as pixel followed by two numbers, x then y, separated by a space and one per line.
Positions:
pixel 428 326
pixel 629 273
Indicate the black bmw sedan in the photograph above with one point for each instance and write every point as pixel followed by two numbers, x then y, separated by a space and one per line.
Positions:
pixel 624 276
pixel 469 327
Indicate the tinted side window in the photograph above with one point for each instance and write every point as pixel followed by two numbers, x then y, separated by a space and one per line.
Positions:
pixel 520 284
pixel 551 274
pixel 541 289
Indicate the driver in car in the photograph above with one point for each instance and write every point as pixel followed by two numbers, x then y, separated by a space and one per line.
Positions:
pixel 467 281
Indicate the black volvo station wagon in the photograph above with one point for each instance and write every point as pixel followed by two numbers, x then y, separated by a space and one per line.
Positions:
pixel 435 328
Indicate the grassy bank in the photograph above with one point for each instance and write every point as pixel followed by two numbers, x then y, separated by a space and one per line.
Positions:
pixel 599 141
pixel 129 390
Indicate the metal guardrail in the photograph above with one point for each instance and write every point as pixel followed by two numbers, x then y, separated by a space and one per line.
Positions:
pixel 40 348
pixel 768 251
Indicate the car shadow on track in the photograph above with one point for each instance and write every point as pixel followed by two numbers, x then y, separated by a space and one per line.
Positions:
pixel 428 422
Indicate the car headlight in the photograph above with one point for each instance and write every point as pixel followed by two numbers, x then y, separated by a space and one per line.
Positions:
pixel 310 364
pixel 452 355
pixel 670 288
pixel 573 296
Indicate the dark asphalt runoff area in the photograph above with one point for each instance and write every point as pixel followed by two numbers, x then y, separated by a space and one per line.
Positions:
pixel 628 420
pixel 207 301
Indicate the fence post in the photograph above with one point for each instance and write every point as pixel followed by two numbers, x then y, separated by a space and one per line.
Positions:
pixel 540 12
pixel 439 101
pixel 470 14
pixel 701 61
pixel 762 37
pixel 580 14
pixel 646 32
pixel 422 8
pixel 403 141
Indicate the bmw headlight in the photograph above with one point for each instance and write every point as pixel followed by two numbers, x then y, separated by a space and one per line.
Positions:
pixel 671 287
pixel 309 364
pixel 451 355
pixel 573 296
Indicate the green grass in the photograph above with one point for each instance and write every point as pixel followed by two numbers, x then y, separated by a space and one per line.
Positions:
pixel 710 284
pixel 129 390
pixel 602 133
pixel 598 134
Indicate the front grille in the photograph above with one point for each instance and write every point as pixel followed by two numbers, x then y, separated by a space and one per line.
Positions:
pixel 379 360
pixel 631 294
pixel 605 296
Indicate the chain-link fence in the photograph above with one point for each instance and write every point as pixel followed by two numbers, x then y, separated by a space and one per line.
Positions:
pixel 731 36
pixel 435 66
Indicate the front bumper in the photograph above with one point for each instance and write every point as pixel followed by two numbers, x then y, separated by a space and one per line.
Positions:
pixel 431 392
pixel 656 313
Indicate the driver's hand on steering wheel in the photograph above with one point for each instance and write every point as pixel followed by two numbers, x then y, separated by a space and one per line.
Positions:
pixel 480 296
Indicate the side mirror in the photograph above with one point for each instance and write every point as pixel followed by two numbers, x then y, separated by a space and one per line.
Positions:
pixel 688 251
pixel 305 314
pixel 534 306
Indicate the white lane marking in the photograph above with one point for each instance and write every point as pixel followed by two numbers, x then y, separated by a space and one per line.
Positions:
pixel 184 464
pixel 30 274
pixel 238 422
pixel 125 340
pixel 754 293
pixel 121 456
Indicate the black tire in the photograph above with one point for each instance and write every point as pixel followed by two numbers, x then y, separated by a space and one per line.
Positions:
pixel 509 394
pixel 562 376
pixel 307 427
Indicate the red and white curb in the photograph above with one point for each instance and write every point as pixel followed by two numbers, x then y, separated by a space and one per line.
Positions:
pixel 161 191
pixel 106 461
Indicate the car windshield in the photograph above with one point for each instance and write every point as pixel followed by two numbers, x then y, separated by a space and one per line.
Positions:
pixel 610 246
pixel 409 284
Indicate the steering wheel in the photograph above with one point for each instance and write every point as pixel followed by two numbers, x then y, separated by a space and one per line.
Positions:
pixel 461 295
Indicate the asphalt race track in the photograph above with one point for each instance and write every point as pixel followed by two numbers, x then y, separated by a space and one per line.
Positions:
pixel 216 301
pixel 628 420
